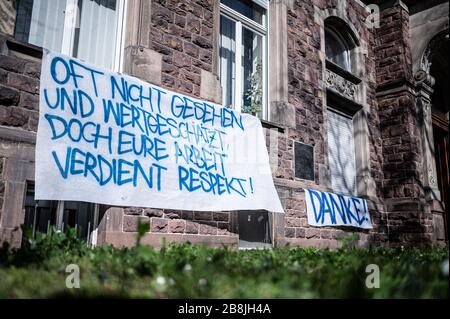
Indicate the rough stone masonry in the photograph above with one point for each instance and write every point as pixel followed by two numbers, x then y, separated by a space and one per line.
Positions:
pixel 175 44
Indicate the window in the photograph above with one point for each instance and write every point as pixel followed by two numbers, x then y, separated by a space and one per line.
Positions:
pixel 90 30
pixel 336 50
pixel 243 67
pixel 339 43
pixel 341 152
pixel 343 108
pixel 43 214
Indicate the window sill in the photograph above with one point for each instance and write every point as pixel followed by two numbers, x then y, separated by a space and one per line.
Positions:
pixel 272 125
pixel 342 72
pixel 23 50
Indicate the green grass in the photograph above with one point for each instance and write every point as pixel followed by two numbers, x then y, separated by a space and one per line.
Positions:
pixel 37 270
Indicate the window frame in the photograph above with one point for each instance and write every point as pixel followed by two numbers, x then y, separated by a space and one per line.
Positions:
pixel 342 31
pixel 70 22
pixel 67 49
pixel 342 41
pixel 92 229
pixel 351 116
pixel 71 19
pixel 241 22
pixel 351 107
pixel 56 219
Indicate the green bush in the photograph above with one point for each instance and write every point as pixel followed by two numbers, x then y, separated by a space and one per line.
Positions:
pixel 37 269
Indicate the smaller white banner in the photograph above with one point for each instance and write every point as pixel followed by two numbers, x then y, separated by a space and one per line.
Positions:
pixel 328 209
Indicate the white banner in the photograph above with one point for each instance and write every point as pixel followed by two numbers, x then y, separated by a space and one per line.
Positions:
pixel 328 209
pixel 113 139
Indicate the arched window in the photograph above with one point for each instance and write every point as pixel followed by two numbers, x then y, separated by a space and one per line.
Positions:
pixel 336 50
pixel 339 43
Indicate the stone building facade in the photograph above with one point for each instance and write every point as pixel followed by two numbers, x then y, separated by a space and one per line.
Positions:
pixel 379 68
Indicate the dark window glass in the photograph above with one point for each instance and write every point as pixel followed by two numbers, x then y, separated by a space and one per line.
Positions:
pixel 247 8
pixel 227 59
pixel 337 50
pixel 94 23
pixel 252 46
pixel 42 214
pixel 39 216
pixel 41 22
pixel 23 20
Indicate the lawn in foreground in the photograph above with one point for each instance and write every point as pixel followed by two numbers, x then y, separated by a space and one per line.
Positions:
pixel 38 270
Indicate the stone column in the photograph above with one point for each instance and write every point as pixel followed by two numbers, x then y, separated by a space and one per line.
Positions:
pixel 408 216
pixel 399 120
pixel 424 83
pixel 210 86
pixel 110 226
pixel 139 60
pixel 281 111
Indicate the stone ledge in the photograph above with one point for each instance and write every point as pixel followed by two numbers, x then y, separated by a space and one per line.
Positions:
pixel 17 135
pixel 210 87
pixel 404 205
pixel 303 242
pixel 14 47
pixel 121 239
pixel 272 125
pixel 282 114
pixel 319 243
pixel 437 206
pixel 17 150
pixel 298 185
pixel 143 63
pixel 395 88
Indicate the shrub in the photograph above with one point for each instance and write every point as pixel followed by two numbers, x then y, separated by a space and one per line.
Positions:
pixel 37 269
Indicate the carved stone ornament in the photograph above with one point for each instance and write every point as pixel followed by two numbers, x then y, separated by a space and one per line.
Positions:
pixel 341 85
pixel 431 179
pixel 422 76
pixel 432 48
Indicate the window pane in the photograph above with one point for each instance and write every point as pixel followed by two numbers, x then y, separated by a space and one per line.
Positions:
pixel 41 22
pixel 247 8
pixel 251 70
pixel 341 153
pixel 95 37
pixel 227 59
pixel 336 50
pixel 79 215
pixel 41 215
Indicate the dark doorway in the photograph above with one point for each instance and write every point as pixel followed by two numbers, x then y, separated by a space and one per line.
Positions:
pixel 254 229
pixel 440 112
pixel 441 146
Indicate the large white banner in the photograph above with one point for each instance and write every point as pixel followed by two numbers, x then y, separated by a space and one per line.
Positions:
pixel 328 209
pixel 110 138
